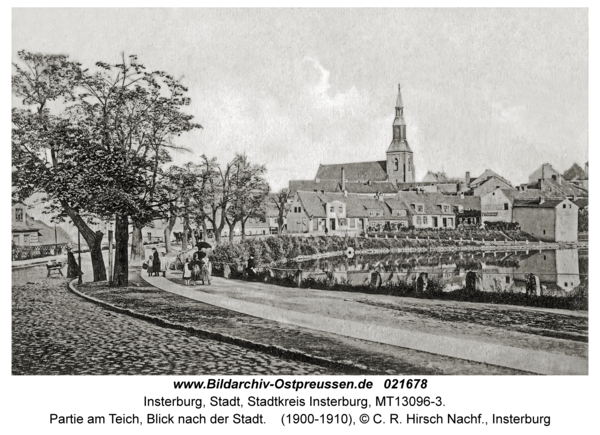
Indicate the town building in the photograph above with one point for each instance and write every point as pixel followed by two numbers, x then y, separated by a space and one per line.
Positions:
pixel 24 231
pixel 577 176
pixel 467 210
pixel 546 171
pixel 313 212
pixel 552 220
pixel 497 206
pixel 27 231
pixel 486 183
pixel 559 188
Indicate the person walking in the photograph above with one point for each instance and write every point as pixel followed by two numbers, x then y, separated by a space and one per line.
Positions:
pixel 73 270
pixel 251 267
pixel 204 266
pixel 155 262
pixel 149 264
pixel 164 265
pixel 187 272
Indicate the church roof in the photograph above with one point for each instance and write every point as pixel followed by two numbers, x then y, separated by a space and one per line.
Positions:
pixel 375 171
pixel 312 185
pixel 399 145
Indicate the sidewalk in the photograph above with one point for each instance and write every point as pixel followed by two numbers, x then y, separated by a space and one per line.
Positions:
pixel 36 261
pixel 404 323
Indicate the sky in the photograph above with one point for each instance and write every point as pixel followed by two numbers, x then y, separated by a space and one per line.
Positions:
pixel 504 89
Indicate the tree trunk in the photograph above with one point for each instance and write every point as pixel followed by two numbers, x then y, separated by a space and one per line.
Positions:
pixel 99 270
pixel 279 224
pixel 231 228
pixel 93 240
pixel 243 223
pixel 189 228
pixel 204 231
pixel 121 276
pixel 184 242
pixel 168 229
pixel 137 245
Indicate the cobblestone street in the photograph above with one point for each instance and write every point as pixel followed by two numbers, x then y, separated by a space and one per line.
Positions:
pixel 55 332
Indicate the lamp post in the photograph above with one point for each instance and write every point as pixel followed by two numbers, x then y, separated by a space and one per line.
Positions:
pixel 79 255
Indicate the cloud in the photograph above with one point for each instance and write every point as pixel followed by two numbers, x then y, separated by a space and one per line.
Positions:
pixel 342 102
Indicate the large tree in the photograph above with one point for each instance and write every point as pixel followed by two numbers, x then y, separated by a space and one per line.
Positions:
pixel 249 191
pixel 123 117
pixel 281 202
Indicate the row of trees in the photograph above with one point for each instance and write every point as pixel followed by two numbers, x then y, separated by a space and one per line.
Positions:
pixel 98 144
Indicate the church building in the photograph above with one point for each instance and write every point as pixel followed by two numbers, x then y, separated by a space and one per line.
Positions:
pixel 376 176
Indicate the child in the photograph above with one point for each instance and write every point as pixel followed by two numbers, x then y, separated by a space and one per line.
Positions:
pixel 187 272
pixel 149 263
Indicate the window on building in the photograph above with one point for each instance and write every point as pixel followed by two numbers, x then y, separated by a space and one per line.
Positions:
pixel 446 208
pixel 299 209
pixel 331 209
pixel 450 224
pixel 564 205
pixel 18 214
pixel 544 231
pixel 425 220
pixel 506 206
pixel 420 208
pixel 371 213
pixel 395 164
pixel 418 220
pixel 508 279
pixel 341 209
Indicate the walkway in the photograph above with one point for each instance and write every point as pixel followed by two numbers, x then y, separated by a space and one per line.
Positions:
pixel 527 341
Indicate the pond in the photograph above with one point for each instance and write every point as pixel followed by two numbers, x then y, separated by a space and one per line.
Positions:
pixel 560 271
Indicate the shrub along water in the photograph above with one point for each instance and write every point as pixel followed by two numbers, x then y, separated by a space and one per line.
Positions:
pixel 269 251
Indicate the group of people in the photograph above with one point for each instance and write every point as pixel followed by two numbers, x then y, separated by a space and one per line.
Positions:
pixel 157 265
pixel 198 269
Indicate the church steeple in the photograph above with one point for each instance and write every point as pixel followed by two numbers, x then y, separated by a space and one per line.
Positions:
pixel 400 166
pixel 399 142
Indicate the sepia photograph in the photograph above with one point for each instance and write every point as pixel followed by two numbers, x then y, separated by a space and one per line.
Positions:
pixel 294 192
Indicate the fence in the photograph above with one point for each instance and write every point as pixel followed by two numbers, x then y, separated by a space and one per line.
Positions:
pixel 37 251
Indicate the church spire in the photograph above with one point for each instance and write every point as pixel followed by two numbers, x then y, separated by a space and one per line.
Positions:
pixel 399 162
pixel 399 127
pixel 399 103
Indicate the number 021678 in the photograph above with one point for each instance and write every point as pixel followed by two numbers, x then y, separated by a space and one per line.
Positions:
pixel 396 384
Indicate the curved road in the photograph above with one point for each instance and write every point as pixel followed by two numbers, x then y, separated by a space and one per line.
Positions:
pixel 55 332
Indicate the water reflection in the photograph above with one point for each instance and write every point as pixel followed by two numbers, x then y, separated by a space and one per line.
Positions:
pixel 559 271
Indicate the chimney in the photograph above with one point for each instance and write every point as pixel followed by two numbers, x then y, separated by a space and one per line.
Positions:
pixel 462 195
pixel 343 179
pixel 467 178
pixel 380 196
pixel 541 199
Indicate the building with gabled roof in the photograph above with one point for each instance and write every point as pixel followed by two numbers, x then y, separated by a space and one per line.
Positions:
pixel 553 220
pixel 497 206
pixel 576 175
pixel 351 213
pixel 559 188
